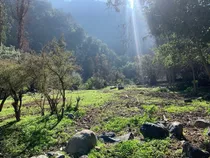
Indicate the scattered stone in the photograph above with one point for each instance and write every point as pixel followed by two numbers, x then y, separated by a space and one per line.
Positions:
pixel 71 116
pixel 176 129
pixel 83 156
pixel 107 139
pixel 120 87
pixel 81 143
pixel 188 100
pixel 55 155
pixel 193 152
pixel 201 123
pixel 40 156
pixel 126 137
pixel 109 134
pixel 156 131
pixel 97 148
pixel 113 87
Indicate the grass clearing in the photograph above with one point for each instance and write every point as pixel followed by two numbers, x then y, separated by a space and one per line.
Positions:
pixel 102 111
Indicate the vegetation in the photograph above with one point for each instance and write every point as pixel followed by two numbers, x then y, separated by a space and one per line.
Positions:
pixel 56 79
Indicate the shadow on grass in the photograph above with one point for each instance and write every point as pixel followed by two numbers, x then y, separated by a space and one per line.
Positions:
pixel 29 137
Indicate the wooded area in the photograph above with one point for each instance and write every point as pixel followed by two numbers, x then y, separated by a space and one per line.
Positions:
pixel 51 65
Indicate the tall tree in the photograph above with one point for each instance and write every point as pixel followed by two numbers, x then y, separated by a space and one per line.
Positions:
pixel 2 21
pixel 19 13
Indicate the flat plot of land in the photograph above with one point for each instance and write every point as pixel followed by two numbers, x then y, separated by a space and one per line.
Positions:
pixel 104 111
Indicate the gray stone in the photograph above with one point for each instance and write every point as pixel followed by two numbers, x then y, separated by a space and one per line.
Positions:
pixel 156 131
pixel 193 152
pixel 188 100
pixel 201 123
pixel 40 156
pixel 56 154
pixel 113 87
pixel 120 87
pixel 108 134
pixel 83 156
pixel 107 139
pixel 126 137
pixel 71 116
pixel 81 143
pixel 176 129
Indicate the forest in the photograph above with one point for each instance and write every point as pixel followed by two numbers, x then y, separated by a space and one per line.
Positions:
pixel 104 78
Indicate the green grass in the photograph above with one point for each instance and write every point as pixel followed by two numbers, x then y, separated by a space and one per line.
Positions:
pixel 33 135
pixel 134 149
pixel 90 97
pixel 194 106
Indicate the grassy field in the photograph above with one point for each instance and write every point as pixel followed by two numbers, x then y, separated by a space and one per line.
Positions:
pixel 103 111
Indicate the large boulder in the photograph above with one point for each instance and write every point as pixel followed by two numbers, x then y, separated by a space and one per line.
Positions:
pixel 156 131
pixel 193 152
pixel 201 123
pixel 81 143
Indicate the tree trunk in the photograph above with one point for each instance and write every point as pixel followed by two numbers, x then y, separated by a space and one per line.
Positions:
pixel 17 111
pixel 21 34
pixel 2 102
pixel 194 79
pixel 17 105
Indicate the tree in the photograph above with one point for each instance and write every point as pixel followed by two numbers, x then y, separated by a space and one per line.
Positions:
pixel 53 73
pixel 13 81
pixel 179 52
pixel 187 19
pixel 19 14
pixel 2 22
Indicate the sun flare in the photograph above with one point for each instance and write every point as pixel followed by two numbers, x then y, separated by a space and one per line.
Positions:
pixel 131 3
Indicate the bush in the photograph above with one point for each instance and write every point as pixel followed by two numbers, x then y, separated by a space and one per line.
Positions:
pixel 95 83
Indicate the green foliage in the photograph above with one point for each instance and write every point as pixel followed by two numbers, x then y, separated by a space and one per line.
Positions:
pixel 134 149
pixel 9 53
pixel 95 83
pixel 33 135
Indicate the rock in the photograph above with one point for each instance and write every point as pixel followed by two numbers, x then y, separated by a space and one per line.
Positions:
pixel 56 154
pixel 71 116
pixel 113 87
pixel 40 156
pixel 81 143
pixel 193 152
pixel 201 123
pixel 107 139
pixel 126 137
pixel 151 130
pixel 97 148
pixel 109 134
pixel 188 100
pixel 83 156
pixel 120 87
pixel 176 129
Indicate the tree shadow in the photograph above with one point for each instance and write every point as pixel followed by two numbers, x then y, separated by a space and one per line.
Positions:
pixel 38 135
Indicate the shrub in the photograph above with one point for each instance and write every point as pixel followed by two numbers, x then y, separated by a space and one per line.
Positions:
pixel 95 83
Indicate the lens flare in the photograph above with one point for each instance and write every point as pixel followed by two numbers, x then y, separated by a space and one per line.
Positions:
pixel 131 4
